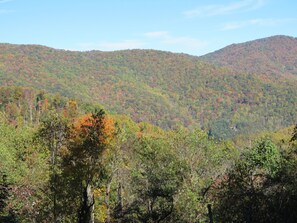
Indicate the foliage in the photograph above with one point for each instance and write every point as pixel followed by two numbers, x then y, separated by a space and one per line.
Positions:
pixel 272 56
pixel 161 88
pixel 206 160
pixel 294 135
pixel 156 179
pixel 23 172
pixel 259 188
pixel 68 165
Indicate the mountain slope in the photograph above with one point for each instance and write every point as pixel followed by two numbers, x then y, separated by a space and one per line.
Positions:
pixel 273 56
pixel 159 87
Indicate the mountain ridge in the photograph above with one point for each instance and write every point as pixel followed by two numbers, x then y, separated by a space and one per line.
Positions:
pixel 160 87
pixel 272 55
pixel 110 51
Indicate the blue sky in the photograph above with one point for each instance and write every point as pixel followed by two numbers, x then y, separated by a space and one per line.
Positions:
pixel 186 26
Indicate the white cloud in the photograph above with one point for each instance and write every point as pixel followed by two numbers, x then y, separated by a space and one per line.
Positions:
pixel 111 46
pixel 232 26
pixel 157 34
pixel 185 41
pixel 256 22
pixel 4 1
pixel 165 38
pixel 216 9
pixel 150 40
pixel 5 11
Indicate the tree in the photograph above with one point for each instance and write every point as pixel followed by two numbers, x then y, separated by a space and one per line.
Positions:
pixel 23 174
pixel 294 135
pixel 89 139
pixel 156 179
pixel 52 134
pixel 206 160
pixel 250 188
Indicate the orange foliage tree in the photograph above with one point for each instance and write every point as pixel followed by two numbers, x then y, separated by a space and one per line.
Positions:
pixel 89 139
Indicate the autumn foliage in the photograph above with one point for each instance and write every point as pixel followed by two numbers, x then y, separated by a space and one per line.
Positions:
pixel 106 126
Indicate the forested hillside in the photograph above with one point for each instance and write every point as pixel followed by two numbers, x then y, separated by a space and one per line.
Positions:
pixel 273 56
pixel 60 162
pixel 162 88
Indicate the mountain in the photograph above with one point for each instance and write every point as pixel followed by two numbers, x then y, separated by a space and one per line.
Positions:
pixel 162 88
pixel 272 56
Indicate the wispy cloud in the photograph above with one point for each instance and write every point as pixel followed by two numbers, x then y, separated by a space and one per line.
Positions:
pixel 166 38
pixel 157 34
pixel 185 41
pixel 110 46
pixel 150 40
pixel 5 11
pixel 216 9
pixel 4 1
pixel 256 22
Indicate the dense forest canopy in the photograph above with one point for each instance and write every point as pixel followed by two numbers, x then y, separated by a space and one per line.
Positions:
pixel 273 56
pixel 61 163
pixel 169 89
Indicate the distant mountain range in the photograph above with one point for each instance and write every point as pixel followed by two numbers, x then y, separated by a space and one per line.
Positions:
pixel 239 89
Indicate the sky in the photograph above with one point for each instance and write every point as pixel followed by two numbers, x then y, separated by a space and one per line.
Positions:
pixel 184 26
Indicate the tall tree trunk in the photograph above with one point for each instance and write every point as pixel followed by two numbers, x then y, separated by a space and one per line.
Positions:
pixel 86 213
pixel 107 202
pixel 31 113
pixel 210 213
pixel 120 198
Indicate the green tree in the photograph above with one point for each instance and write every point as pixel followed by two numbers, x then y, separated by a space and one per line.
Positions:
pixel 23 173
pixel 156 179
pixel 294 135
pixel 206 160
pixel 52 134
pixel 249 189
